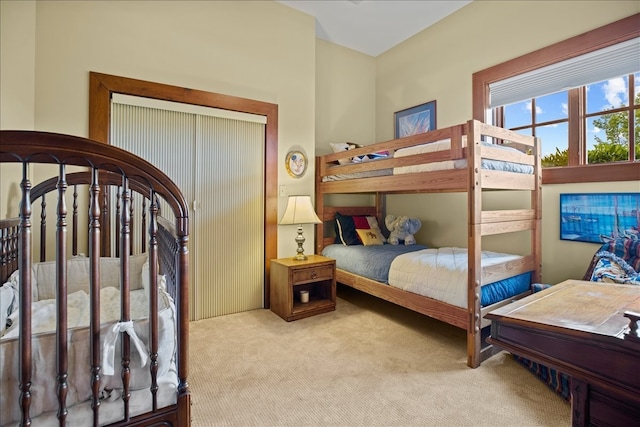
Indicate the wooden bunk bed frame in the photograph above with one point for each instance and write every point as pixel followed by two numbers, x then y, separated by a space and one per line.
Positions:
pixel 110 170
pixel 473 180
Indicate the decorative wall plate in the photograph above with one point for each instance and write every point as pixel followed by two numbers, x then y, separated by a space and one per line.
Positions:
pixel 296 163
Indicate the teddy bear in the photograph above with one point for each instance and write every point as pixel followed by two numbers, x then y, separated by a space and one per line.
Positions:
pixel 402 228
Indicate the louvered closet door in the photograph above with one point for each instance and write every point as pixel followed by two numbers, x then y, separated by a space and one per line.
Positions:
pixel 218 163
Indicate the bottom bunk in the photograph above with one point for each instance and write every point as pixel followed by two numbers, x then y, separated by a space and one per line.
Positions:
pixel 430 281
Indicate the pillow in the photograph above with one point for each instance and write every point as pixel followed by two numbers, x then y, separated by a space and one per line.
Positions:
pixel 346 227
pixel 8 304
pixel 14 280
pixel 338 147
pixel 346 230
pixel 361 222
pixel 373 224
pixel 370 236
pixel 613 269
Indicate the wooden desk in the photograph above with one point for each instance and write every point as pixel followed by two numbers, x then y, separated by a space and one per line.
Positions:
pixel 579 328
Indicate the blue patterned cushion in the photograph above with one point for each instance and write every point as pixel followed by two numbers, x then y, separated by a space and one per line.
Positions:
pixel 610 268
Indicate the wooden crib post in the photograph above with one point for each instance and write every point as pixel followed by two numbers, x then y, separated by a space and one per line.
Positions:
pixel 125 301
pixel 143 226
pixel 131 220
pixel 94 292
pixel 24 255
pixel 43 229
pixel 74 226
pixel 184 395
pixel 153 300
pixel 61 297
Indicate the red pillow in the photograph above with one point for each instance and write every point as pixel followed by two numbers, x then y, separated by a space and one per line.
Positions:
pixel 361 222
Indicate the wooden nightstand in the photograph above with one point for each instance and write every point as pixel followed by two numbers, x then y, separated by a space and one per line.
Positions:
pixel 317 275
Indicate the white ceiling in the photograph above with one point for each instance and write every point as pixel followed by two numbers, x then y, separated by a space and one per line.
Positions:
pixel 373 26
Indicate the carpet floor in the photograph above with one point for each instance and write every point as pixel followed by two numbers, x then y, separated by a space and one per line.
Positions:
pixel 369 363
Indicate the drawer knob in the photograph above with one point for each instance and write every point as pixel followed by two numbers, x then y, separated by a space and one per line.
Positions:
pixel 314 274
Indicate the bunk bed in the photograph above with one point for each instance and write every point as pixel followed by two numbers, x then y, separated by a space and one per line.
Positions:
pixel 94 302
pixel 472 157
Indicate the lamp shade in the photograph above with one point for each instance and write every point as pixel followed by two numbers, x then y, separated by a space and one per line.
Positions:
pixel 300 211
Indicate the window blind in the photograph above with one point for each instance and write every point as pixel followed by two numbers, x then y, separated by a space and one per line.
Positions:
pixel 612 61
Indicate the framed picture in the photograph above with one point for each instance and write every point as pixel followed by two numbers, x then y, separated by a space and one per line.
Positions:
pixel 415 120
pixel 296 163
pixel 599 217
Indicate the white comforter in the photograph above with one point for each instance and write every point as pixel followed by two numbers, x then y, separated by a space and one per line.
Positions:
pixel 439 273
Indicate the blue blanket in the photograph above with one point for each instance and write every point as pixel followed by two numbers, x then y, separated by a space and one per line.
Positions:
pixel 372 262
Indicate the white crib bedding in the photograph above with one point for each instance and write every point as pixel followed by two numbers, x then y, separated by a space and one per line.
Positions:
pixel 43 318
pixel 43 384
pixel 112 407
pixel 440 274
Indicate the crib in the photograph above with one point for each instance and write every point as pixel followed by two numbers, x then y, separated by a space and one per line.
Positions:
pixel 95 320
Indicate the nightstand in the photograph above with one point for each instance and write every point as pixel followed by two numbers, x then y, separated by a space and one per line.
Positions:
pixel 317 275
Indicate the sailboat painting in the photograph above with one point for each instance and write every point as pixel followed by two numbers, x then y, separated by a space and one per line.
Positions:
pixel 599 217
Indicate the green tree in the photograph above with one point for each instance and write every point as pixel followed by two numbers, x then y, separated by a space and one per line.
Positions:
pixel 616 145
pixel 559 158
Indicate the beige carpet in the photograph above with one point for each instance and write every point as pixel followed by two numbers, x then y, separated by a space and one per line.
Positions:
pixel 369 363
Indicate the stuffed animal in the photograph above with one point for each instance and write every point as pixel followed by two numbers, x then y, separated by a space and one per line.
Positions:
pixel 402 228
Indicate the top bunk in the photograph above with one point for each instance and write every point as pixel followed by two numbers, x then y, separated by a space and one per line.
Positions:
pixel 459 158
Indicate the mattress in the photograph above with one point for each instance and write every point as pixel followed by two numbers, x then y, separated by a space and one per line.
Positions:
pixel 354 175
pixel 441 274
pixel 445 144
pixel 372 262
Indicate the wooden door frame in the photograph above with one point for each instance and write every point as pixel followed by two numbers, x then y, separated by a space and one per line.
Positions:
pixel 101 88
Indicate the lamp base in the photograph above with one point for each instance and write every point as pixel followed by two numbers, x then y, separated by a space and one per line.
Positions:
pixel 300 240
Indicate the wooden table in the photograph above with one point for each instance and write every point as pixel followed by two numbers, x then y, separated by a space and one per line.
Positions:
pixel 580 328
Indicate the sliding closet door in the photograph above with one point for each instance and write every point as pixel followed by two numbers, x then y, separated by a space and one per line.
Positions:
pixel 218 163
pixel 229 215
pixel 165 138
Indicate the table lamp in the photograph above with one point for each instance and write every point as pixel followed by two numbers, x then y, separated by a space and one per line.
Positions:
pixel 299 211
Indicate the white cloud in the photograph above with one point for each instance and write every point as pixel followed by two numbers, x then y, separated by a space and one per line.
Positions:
pixel 528 108
pixel 564 107
pixel 615 92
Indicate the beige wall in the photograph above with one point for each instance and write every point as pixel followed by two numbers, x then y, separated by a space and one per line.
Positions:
pixel 345 104
pixel 251 49
pixel 265 51
pixel 17 87
pixel 345 96
pixel 437 64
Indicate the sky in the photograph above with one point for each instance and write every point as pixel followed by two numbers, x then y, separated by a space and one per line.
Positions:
pixel 600 96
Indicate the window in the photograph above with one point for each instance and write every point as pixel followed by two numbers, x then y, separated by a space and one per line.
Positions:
pixel 606 128
pixel 580 96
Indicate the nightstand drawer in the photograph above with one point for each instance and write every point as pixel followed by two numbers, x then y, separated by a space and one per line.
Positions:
pixel 312 274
